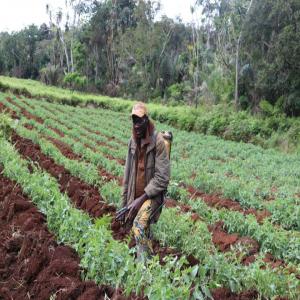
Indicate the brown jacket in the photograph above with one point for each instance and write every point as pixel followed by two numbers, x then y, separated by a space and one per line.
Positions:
pixel 157 172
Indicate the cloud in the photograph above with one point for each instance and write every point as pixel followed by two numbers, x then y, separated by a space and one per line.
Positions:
pixel 16 14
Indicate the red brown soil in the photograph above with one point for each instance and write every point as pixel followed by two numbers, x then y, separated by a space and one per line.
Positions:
pixel 28 126
pixel 27 114
pixel 224 241
pixel 64 148
pixel 109 177
pixel 215 200
pixel 32 264
pixel 226 294
pixel 60 133
pixel 30 116
pixel 5 109
pixel 83 195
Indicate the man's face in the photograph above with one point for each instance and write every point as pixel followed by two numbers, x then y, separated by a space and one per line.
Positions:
pixel 140 125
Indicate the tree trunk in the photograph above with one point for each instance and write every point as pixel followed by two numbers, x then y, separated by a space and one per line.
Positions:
pixel 236 92
pixel 61 37
pixel 72 59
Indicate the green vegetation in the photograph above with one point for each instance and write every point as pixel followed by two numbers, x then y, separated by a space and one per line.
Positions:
pixel 245 173
pixel 273 131
pixel 74 228
pixel 238 64
pixel 227 86
pixel 101 256
pixel 237 52
pixel 6 125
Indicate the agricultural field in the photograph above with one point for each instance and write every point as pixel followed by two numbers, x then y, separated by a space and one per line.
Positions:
pixel 229 229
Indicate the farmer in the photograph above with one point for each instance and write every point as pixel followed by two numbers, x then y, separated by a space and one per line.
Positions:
pixel 146 178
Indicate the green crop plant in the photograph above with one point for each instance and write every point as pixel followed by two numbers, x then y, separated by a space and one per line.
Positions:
pixel 101 256
pixel 282 244
pixel 219 269
pixel 7 124
pixel 230 268
pixel 111 193
pixel 175 187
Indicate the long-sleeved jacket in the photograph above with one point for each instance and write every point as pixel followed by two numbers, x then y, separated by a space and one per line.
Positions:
pixel 157 172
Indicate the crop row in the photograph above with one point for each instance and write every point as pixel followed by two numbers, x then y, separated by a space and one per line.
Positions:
pixel 173 217
pixel 104 259
pixel 284 209
pixel 100 252
pixel 284 246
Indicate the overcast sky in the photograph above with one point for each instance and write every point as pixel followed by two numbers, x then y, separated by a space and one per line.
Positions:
pixel 16 14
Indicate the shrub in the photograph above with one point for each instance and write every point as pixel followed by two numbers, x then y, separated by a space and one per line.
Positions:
pixel 75 81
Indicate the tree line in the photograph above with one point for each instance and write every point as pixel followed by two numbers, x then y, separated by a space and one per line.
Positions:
pixel 244 53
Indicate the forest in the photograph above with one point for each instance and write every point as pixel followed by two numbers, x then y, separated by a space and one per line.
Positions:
pixel 238 53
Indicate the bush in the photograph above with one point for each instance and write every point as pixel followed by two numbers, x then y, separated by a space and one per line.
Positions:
pixel 51 75
pixel 75 81
pixel 175 92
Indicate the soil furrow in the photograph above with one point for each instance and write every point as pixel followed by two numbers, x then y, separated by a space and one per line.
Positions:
pixel 87 198
pixel 32 264
pixel 84 196
pixel 217 201
pixel 223 240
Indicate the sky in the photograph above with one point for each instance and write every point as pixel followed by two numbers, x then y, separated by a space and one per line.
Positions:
pixel 16 14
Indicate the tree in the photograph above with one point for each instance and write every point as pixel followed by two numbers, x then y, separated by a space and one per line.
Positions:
pixel 66 24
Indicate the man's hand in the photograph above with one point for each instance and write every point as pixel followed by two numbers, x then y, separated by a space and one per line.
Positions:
pixel 135 206
pixel 121 213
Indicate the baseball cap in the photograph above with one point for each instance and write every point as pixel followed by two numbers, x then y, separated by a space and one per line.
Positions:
pixel 139 109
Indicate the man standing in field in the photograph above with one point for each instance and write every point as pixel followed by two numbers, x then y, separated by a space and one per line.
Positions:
pixel 146 178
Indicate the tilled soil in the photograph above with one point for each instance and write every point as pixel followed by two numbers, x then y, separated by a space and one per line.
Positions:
pixel 88 198
pixel 32 264
pixel 215 200
pixel 84 196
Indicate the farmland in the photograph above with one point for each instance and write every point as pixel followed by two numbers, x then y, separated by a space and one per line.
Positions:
pixel 230 229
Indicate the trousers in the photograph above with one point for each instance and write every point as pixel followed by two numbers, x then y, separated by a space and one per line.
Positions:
pixel 141 232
